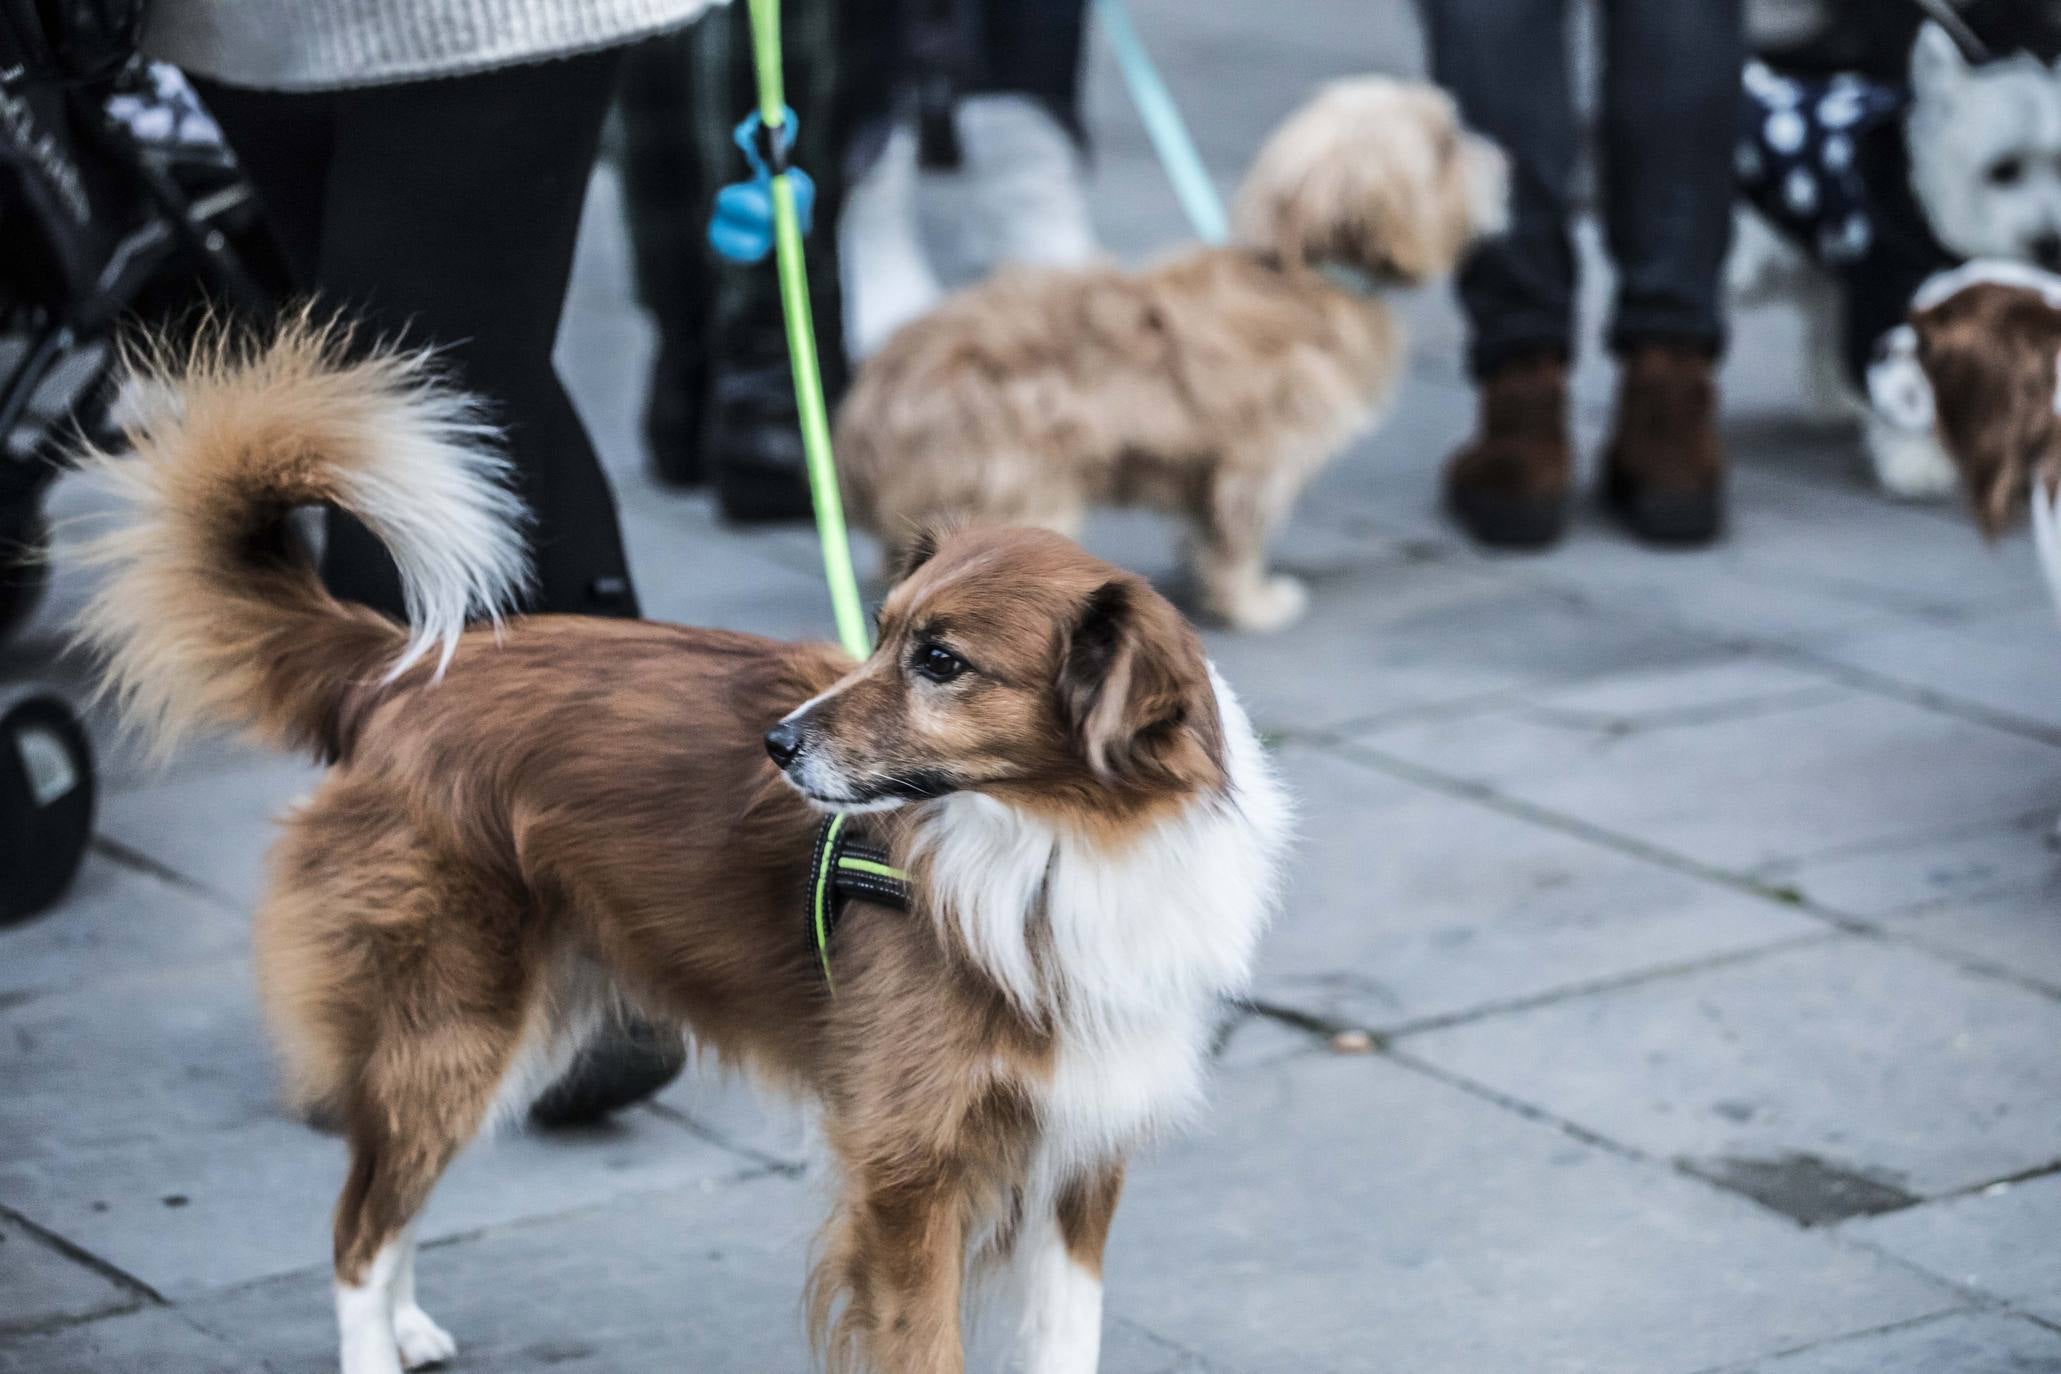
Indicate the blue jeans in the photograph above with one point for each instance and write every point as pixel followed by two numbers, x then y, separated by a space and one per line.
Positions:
pixel 1670 115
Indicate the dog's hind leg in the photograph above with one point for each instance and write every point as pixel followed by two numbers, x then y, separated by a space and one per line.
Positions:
pixel 426 1091
pixel 397 983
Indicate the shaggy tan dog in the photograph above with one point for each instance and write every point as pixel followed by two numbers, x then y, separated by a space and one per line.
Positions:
pixel 1212 386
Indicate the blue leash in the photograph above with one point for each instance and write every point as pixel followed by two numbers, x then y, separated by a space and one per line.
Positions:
pixel 1164 125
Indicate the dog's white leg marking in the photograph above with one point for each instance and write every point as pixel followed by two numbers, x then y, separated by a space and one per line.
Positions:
pixel 1910 464
pixel 365 1316
pixel 1060 1328
pixel 422 1341
pixel 886 276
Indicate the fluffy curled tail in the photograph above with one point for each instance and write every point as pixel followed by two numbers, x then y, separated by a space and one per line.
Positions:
pixel 211 613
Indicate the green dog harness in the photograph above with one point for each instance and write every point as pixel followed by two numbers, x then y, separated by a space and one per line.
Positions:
pixel 847 866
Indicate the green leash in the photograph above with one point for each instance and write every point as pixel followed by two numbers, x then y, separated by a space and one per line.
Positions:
pixel 801 347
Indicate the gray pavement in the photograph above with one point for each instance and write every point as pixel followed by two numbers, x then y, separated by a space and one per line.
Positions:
pixel 1700 906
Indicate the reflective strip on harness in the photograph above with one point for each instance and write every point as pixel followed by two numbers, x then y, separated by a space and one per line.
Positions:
pixel 846 866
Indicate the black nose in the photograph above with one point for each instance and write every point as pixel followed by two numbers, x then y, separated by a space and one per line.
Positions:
pixel 2046 250
pixel 783 742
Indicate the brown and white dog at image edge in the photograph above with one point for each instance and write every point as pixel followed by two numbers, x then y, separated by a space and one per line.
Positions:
pixel 1214 386
pixel 531 824
pixel 1979 364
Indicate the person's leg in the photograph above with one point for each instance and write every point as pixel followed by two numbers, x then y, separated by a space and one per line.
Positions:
pixel 1033 48
pixel 1021 126
pixel 671 166
pixel 452 209
pixel 1671 93
pixel 1671 103
pixel 1505 61
pixel 283 142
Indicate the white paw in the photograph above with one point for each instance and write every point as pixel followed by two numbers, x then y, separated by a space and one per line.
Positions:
pixel 364 1356
pixel 1911 465
pixel 1275 604
pixel 422 1341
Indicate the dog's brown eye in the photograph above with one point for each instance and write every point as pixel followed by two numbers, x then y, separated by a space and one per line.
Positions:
pixel 938 663
pixel 2008 172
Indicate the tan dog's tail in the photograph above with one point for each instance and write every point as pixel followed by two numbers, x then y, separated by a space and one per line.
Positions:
pixel 212 614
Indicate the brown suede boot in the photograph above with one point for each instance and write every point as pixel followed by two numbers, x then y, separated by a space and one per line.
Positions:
pixel 1665 472
pixel 1508 486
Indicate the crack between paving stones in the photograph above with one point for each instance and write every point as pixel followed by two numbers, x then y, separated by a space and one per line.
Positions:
pixel 78 1254
pixel 792 1168
pixel 1173 1347
pixel 1633 1154
pixel 1613 983
pixel 1621 726
pixel 46 1326
pixel 135 860
pixel 467 1236
pixel 2035 823
pixel 1882 685
pixel 1833 1342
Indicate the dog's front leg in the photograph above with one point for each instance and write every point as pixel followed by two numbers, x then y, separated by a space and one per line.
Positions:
pixel 1228 548
pixel 1059 1275
pixel 902 1256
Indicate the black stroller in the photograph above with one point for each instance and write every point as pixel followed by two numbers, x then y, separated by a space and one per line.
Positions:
pixel 119 205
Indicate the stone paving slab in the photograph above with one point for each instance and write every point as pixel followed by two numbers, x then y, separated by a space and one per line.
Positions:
pixel 214 829
pixel 1407 904
pixel 2000 1241
pixel 153 1341
pixel 1426 1229
pixel 41 1286
pixel 1779 781
pixel 1960 1343
pixel 1842 1076
pixel 144 1126
pixel 116 920
pixel 708 1281
pixel 1989 859
pixel 1417 632
pixel 2008 662
pixel 2017 933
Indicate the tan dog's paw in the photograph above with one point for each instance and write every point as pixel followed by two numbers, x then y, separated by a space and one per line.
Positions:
pixel 422 1341
pixel 1275 604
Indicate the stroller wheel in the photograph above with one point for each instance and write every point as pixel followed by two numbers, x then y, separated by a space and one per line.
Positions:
pixel 46 802
pixel 24 563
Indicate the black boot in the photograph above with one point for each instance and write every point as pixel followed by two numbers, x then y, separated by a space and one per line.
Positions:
pixel 753 438
pixel 675 409
pixel 626 1063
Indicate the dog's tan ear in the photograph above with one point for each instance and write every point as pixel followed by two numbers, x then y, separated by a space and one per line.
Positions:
pixel 1136 692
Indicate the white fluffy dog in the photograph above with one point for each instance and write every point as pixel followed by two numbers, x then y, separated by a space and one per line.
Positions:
pixel 1982 145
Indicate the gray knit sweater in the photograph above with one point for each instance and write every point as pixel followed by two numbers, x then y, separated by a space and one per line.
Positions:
pixel 316 45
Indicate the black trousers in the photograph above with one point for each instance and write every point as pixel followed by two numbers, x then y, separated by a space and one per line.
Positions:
pixel 1671 98
pixel 444 212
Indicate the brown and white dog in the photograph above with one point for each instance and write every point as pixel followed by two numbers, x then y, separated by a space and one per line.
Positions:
pixel 1979 366
pixel 1213 386
pixel 528 825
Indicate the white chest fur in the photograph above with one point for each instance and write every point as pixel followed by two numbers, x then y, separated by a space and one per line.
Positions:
pixel 1125 954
